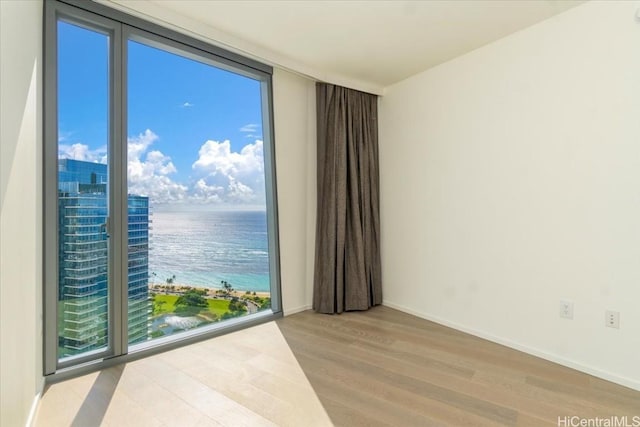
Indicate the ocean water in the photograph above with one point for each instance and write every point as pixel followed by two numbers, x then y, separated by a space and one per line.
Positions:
pixel 204 248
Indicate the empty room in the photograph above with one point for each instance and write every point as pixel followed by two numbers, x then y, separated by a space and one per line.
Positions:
pixel 317 213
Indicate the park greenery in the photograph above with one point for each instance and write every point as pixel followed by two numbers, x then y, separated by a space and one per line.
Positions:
pixel 189 301
pixel 186 302
pixel 261 302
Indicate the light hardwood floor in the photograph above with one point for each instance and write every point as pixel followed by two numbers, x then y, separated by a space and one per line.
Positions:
pixel 385 367
pixel 247 378
pixel 375 368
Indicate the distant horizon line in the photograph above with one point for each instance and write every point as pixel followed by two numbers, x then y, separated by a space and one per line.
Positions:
pixel 189 207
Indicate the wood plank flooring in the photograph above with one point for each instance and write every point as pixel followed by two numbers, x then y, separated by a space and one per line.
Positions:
pixel 376 368
pixel 387 368
pixel 247 378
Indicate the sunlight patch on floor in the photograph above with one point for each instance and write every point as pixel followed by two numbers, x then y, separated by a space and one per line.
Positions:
pixel 249 377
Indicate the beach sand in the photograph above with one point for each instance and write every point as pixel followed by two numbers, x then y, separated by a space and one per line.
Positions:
pixel 179 288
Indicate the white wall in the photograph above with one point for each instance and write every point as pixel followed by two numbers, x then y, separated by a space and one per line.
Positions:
pixel 511 179
pixel 294 115
pixel 20 209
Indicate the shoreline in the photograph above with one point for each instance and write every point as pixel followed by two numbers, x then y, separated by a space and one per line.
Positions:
pixel 179 288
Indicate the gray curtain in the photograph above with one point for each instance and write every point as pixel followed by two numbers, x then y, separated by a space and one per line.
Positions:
pixel 347 262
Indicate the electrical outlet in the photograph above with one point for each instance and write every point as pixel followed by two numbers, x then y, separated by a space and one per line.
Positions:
pixel 566 309
pixel 612 319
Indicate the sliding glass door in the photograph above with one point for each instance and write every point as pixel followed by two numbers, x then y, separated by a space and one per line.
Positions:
pixel 161 220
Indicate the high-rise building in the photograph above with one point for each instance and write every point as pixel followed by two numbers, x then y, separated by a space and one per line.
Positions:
pixel 83 259
pixel 138 268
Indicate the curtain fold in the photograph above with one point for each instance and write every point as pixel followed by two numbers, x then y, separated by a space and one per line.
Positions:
pixel 347 272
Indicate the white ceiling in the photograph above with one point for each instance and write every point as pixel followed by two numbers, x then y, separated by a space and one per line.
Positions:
pixel 373 43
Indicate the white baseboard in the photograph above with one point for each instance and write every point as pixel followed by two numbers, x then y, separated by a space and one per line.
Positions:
pixel 290 311
pixel 33 411
pixel 627 382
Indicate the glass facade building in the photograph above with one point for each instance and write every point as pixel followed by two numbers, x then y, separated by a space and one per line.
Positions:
pixel 83 259
pixel 139 308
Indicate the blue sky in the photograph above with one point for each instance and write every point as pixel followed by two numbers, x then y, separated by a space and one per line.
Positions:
pixel 195 131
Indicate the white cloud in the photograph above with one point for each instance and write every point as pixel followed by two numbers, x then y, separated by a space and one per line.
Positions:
pixel 241 174
pixel 64 136
pixel 82 152
pixel 205 193
pixel 252 130
pixel 217 157
pixel 137 145
pixel 251 127
pixel 221 176
pixel 187 105
pixel 238 192
pixel 148 174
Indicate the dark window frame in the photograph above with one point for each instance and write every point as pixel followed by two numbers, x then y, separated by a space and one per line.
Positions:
pixel 122 27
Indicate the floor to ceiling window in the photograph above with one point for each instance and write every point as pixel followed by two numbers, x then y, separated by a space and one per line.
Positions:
pixel 160 208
